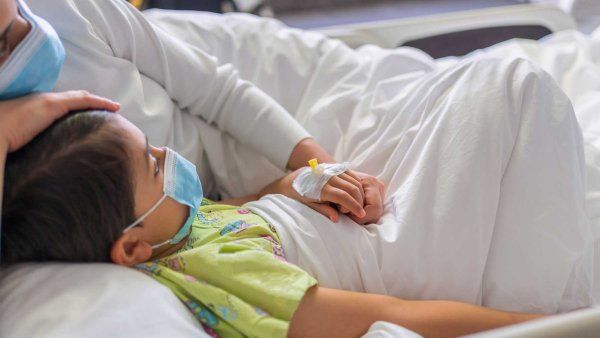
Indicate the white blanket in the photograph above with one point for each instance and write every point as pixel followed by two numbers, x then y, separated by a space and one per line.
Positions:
pixel 573 60
pixel 483 161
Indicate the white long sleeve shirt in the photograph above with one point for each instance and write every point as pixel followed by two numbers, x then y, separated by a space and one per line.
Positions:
pixel 166 88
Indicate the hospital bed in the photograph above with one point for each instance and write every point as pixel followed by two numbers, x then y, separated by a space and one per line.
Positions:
pixel 34 301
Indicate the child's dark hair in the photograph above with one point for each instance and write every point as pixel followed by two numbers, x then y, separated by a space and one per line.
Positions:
pixel 68 194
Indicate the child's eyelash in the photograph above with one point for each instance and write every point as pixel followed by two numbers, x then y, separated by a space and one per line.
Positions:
pixel 156 166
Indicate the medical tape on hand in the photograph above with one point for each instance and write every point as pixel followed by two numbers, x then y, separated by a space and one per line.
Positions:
pixel 310 182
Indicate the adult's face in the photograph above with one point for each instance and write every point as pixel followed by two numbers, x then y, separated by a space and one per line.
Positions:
pixel 13 27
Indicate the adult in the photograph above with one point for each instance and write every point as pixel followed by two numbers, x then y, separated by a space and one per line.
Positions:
pixel 172 91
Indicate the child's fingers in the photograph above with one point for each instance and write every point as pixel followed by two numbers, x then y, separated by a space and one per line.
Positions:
pixel 348 187
pixel 354 175
pixel 326 210
pixel 349 178
pixel 343 199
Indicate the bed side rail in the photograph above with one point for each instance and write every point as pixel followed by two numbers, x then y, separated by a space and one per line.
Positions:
pixel 457 33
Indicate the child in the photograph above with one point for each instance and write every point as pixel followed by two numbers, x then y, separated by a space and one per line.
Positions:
pixel 91 189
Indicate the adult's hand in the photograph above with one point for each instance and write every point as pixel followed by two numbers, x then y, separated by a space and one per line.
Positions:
pixel 374 198
pixel 23 118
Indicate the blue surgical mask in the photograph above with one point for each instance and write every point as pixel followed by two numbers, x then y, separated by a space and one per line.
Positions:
pixel 34 66
pixel 182 184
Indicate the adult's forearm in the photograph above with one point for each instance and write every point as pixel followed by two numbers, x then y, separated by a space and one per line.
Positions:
pixel 305 150
pixel 275 187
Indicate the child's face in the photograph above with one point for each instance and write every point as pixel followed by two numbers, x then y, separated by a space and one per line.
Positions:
pixel 147 163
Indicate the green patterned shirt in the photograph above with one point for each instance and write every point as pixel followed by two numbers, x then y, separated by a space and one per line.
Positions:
pixel 232 274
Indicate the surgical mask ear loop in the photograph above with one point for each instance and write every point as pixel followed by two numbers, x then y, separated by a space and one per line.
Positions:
pixel 139 220
pixel 161 244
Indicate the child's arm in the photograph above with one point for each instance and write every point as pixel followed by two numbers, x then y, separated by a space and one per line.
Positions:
pixel 327 312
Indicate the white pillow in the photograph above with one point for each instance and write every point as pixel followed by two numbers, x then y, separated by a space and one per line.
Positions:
pixel 89 300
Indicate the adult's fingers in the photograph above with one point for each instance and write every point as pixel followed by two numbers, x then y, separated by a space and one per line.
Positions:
pixel 81 99
pixel 381 187
pixel 325 210
pixel 373 205
pixel 342 184
pixel 25 117
pixel 56 105
pixel 343 199
pixel 368 180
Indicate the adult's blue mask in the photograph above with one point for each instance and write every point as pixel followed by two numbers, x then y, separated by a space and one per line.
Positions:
pixel 34 66
pixel 182 184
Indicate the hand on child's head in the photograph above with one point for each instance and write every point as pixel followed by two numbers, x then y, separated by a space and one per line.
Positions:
pixel 23 118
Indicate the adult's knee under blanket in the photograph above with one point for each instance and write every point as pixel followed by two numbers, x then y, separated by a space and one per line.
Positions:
pixel 485 179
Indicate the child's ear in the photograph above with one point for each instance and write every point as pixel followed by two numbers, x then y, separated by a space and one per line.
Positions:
pixel 129 250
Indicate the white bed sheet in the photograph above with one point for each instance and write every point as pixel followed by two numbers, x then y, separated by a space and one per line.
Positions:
pixel 315 79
